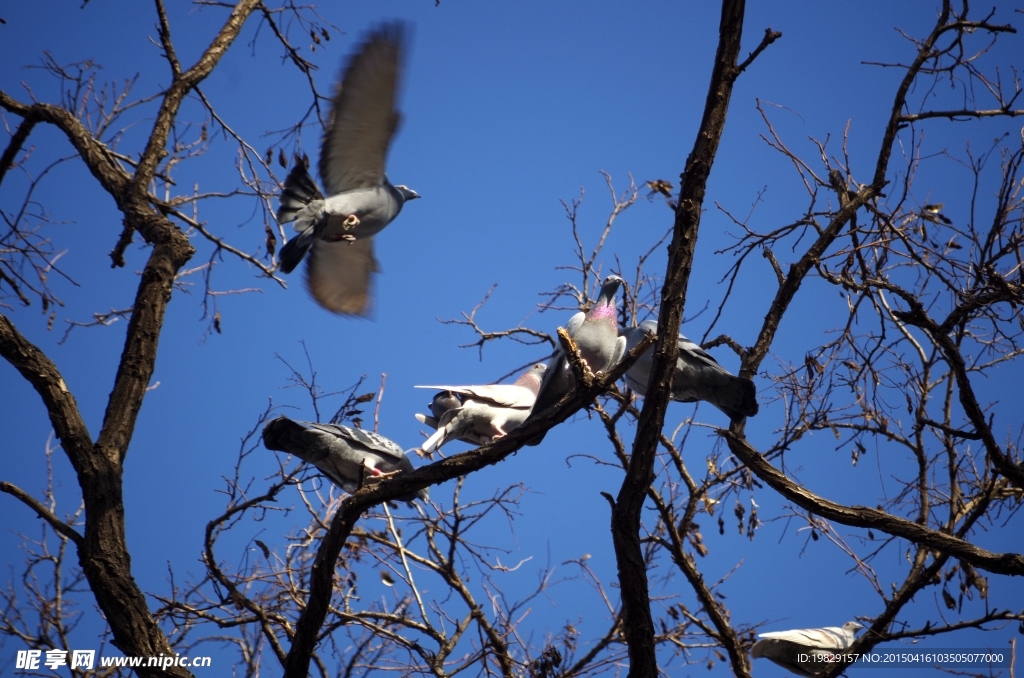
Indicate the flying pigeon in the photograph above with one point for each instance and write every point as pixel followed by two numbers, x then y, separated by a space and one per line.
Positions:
pixel 484 412
pixel 783 647
pixel 698 376
pixel 596 335
pixel 350 457
pixel 337 231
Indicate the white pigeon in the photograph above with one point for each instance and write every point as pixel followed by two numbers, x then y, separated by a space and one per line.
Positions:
pixel 486 412
pixel 337 231
pixel 784 647
pixel 698 376
pixel 350 457
pixel 596 333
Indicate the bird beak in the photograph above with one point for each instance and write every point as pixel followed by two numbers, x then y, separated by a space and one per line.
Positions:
pixel 407 192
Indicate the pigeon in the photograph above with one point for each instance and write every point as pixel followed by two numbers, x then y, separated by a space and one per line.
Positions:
pixel 597 336
pixel 337 231
pixel 484 412
pixel 350 457
pixel 442 402
pixel 698 376
pixel 784 647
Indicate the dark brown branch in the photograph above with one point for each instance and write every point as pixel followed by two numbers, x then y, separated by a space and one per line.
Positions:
pixel 44 513
pixel 39 371
pixel 321 583
pixel 968 435
pixel 638 626
pixel 156 145
pixel 770 36
pixel 966 113
pixel 103 551
pixel 17 141
pixel 93 152
pixel 860 516
pixel 924 53
pixel 917 316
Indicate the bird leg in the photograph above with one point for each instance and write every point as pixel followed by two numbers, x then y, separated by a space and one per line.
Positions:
pixel 341 237
pixel 373 476
pixel 351 221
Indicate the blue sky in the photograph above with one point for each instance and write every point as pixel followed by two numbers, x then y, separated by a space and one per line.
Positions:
pixel 509 108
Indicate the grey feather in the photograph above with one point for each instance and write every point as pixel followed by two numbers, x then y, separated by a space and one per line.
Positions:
pixel 597 337
pixel 483 413
pixel 784 647
pixel 442 402
pixel 697 377
pixel 337 231
pixel 348 456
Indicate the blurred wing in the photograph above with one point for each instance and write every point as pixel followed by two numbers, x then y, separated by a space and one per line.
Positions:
pixel 339 275
pixel 363 120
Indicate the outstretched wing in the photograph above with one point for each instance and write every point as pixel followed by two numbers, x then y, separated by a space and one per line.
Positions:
pixel 364 116
pixel 339 275
pixel 504 395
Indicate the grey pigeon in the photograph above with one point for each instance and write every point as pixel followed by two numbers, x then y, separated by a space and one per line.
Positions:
pixel 698 376
pixel 350 457
pixel 338 231
pixel 596 334
pixel 484 412
pixel 443 402
pixel 784 647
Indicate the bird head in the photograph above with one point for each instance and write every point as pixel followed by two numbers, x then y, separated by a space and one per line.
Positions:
pixel 605 305
pixel 532 377
pixel 407 193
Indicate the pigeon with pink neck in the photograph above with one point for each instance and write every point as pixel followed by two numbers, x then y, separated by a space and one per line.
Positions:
pixel 596 334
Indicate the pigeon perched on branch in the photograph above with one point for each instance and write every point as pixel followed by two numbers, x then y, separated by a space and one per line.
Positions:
pixel 698 376
pixel 337 231
pixel 784 647
pixel 483 412
pixel 350 457
pixel 596 334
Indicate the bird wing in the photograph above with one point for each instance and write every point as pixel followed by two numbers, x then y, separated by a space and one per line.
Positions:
pixel 372 442
pixel 504 395
pixel 364 116
pixel 432 422
pixel 338 275
pixel 688 349
pixel 575 322
pixel 828 638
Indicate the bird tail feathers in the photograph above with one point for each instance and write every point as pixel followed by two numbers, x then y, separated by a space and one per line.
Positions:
pixel 295 249
pixel 299 191
pixel 283 435
pixel 737 399
pixel 435 441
